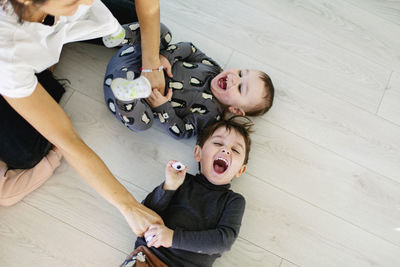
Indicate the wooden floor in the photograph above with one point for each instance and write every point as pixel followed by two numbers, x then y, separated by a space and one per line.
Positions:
pixel 323 181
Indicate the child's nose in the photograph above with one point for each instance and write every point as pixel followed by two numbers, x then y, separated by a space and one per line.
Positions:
pixel 224 150
pixel 234 80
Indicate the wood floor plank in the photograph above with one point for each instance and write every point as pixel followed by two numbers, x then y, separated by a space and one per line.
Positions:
pixel 389 10
pixel 30 237
pixel 244 253
pixel 301 168
pixel 84 65
pixel 287 264
pixel 332 123
pixel 304 234
pixel 300 54
pixel 343 24
pixel 390 105
pixel 216 50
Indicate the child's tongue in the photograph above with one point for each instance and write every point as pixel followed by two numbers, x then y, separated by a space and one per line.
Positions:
pixel 219 167
pixel 222 83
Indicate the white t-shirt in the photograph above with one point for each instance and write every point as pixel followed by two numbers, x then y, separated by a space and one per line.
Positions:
pixel 31 47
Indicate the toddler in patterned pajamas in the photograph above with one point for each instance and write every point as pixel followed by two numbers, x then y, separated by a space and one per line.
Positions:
pixel 199 91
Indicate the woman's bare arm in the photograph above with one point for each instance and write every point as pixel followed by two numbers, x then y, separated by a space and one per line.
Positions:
pixel 48 118
pixel 148 12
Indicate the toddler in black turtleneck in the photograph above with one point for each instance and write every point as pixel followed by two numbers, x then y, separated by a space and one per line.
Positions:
pixel 202 215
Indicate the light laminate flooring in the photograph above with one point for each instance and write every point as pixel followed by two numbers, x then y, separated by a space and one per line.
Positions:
pixel 323 180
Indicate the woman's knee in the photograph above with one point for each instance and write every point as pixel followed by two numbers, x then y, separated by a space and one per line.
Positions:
pixel 27 156
pixel 28 159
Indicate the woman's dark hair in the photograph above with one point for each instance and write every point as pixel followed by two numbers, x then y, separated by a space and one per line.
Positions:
pixel 19 8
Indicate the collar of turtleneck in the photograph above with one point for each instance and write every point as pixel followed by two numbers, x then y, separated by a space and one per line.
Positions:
pixel 203 180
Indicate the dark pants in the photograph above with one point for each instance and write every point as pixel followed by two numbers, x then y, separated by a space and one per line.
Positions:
pixel 21 146
pixel 123 10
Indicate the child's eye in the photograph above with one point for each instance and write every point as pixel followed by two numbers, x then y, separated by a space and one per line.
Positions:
pixel 240 85
pixel 236 151
pixel 218 144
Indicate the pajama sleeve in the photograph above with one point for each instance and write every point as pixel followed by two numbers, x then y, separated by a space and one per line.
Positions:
pixel 216 240
pixel 186 51
pixel 159 199
pixel 201 113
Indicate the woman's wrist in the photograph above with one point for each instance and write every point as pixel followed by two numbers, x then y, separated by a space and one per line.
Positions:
pixel 151 62
pixel 159 69
pixel 129 204
pixel 151 66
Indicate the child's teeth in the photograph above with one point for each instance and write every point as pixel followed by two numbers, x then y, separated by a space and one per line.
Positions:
pixel 224 160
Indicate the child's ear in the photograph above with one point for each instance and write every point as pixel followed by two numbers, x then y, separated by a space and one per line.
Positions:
pixel 24 2
pixel 197 153
pixel 241 171
pixel 236 111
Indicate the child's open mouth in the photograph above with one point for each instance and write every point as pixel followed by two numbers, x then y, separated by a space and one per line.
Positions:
pixel 220 165
pixel 222 82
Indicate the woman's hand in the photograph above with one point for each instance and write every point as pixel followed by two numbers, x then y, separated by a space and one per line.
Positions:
pixel 148 12
pixel 140 218
pixel 173 178
pixel 156 79
pixel 159 235
pixel 156 99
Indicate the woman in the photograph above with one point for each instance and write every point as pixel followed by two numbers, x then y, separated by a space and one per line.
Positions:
pixel 32 33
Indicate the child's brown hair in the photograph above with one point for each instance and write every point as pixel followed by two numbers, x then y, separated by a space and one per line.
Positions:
pixel 241 124
pixel 267 100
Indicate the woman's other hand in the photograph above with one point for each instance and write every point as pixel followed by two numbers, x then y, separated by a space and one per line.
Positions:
pixel 156 79
pixel 140 218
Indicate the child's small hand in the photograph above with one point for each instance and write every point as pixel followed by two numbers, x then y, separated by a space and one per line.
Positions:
pixel 159 235
pixel 167 65
pixel 157 99
pixel 173 178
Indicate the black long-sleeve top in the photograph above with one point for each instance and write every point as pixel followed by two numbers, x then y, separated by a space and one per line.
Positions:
pixel 206 219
